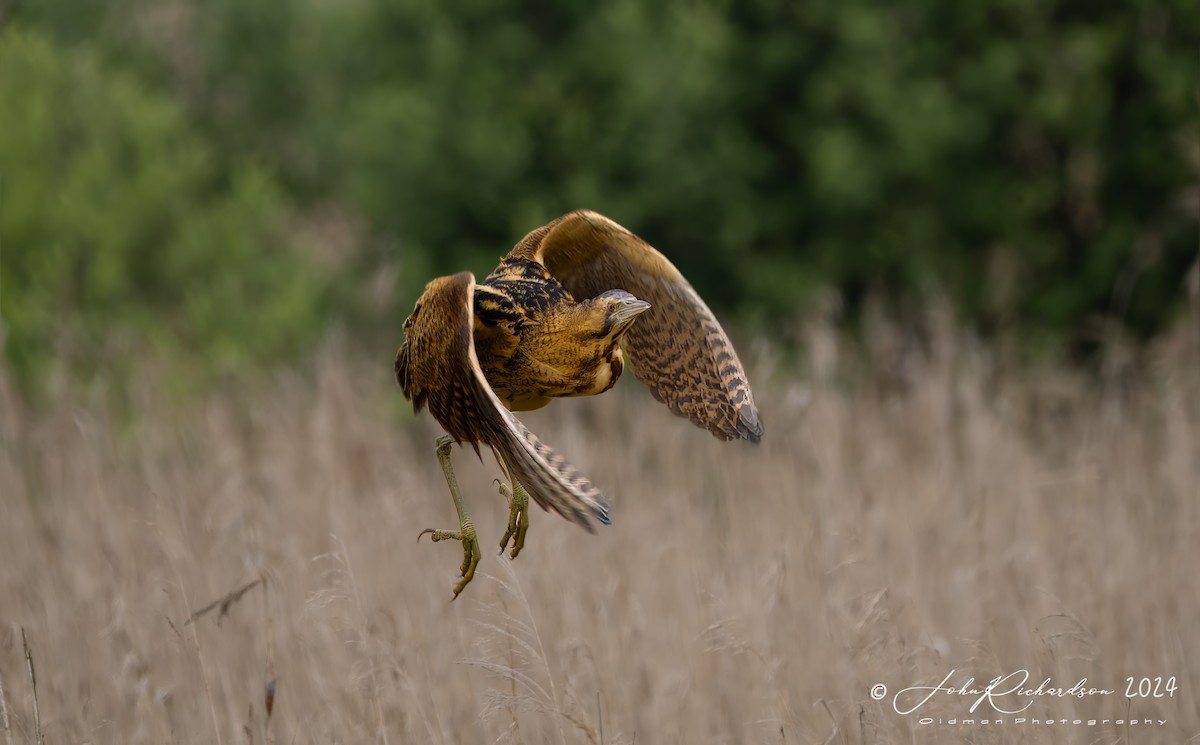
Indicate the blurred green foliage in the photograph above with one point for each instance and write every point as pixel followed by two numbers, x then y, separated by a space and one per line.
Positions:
pixel 119 233
pixel 1035 160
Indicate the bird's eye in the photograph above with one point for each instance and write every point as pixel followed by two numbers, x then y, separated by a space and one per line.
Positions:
pixel 612 307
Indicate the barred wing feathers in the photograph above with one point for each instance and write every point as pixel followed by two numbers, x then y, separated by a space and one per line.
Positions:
pixel 677 348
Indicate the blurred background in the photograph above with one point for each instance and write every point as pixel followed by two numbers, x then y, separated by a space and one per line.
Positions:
pixel 955 243
pixel 222 183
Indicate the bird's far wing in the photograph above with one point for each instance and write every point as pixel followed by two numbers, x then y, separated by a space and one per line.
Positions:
pixel 677 348
pixel 437 366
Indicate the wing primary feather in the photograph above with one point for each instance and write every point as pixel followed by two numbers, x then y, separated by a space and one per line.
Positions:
pixel 677 348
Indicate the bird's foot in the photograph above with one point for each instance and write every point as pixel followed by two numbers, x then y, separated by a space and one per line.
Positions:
pixel 471 551
pixel 518 516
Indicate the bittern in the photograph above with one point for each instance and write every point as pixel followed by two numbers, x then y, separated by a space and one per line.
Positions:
pixel 550 321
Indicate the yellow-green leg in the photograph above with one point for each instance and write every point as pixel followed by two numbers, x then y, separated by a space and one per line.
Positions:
pixel 518 516
pixel 466 529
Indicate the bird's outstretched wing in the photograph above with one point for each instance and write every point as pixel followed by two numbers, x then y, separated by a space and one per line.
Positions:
pixel 437 366
pixel 677 348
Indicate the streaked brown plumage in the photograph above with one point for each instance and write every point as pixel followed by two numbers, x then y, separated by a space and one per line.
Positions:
pixel 549 322
pixel 446 376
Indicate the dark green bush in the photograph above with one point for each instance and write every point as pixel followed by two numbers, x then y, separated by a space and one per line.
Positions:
pixel 119 233
pixel 1031 159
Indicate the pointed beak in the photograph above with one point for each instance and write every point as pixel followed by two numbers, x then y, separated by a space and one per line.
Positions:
pixel 628 310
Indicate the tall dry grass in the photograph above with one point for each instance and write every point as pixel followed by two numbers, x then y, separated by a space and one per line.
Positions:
pixel 890 528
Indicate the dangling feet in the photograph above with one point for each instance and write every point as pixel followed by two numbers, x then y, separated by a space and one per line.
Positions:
pixel 518 516
pixel 466 529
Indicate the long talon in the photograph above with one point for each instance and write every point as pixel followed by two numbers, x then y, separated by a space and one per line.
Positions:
pixel 518 516
pixel 441 535
pixel 471 558
pixel 508 533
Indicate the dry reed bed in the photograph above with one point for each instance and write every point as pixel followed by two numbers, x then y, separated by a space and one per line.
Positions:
pixel 950 517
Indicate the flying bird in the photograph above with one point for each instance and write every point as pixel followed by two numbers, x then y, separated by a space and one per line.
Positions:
pixel 551 321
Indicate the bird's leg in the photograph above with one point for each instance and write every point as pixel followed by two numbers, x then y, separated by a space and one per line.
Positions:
pixel 466 529
pixel 518 516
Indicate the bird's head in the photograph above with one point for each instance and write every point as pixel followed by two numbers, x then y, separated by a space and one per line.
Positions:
pixel 620 310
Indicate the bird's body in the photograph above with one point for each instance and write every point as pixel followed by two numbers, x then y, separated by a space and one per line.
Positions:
pixel 550 322
pixel 535 342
